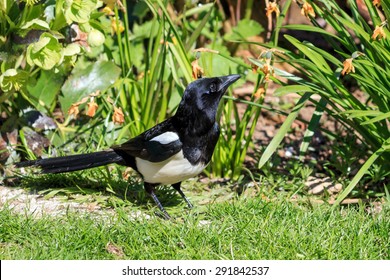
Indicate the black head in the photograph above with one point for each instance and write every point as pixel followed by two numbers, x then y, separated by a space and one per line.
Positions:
pixel 201 97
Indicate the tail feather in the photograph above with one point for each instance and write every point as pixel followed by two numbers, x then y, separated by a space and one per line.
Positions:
pixel 73 163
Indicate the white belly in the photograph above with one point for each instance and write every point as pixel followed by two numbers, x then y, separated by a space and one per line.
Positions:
pixel 173 170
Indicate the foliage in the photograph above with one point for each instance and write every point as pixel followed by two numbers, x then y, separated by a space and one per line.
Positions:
pixel 40 44
pixel 357 56
pixel 168 65
pixel 104 73
pixel 155 59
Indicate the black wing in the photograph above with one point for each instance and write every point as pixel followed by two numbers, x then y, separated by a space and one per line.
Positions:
pixel 143 146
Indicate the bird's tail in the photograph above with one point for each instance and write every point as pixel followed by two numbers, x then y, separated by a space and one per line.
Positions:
pixel 73 163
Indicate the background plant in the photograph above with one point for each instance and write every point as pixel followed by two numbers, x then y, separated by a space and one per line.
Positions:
pixel 40 43
pixel 105 72
pixel 154 50
pixel 358 55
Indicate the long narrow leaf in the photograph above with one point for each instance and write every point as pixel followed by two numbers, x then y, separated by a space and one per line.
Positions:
pixel 198 30
pixel 309 28
pixel 370 161
pixel 275 142
pixel 291 88
pixel 381 117
pixel 313 126
pixel 315 57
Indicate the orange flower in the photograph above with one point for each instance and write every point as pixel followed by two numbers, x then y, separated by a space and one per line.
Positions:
pixel 260 92
pixel 268 71
pixel 108 11
pixel 111 4
pixel 272 7
pixel 376 3
pixel 118 117
pixel 74 109
pixel 348 67
pixel 116 27
pixel 379 33
pixel 92 107
pixel 255 68
pixel 197 71
pixel 307 10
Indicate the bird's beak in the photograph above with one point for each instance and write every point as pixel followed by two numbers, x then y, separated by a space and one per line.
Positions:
pixel 227 81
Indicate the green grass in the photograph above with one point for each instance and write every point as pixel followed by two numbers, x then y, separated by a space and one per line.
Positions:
pixel 240 228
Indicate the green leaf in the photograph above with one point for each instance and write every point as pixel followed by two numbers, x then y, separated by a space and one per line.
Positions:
pixel 360 113
pixel 46 53
pixel 275 142
pixel 12 79
pixel 72 49
pixel 308 51
pixel 95 38
pixel 46 89
pixel 36 24
pixel 182 60
pixel 148 29
pixel 292 88
pixel 198 10
pixel 309 28
pixel 52 193
pixel 97 76
pixel 244 29
pixel 313 126
pixel 381 117
pixel 216 64
pixel 363 170
pixel 79 10
pixel 178 41
pixel 7 79
pixel 198 30
pixel 357 29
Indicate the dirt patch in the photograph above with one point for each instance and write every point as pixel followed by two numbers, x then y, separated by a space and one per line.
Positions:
pixel 21 201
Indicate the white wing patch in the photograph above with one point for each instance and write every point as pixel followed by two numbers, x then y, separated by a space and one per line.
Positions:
pixel 173 170
pixel 166 137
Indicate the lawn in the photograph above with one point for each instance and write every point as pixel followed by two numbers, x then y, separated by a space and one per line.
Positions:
pixel 253 225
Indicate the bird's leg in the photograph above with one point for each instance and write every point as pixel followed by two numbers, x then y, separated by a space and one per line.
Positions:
pixel 149 188
pixel 177 187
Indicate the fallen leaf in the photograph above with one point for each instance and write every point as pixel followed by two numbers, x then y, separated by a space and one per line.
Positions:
pixel 114 250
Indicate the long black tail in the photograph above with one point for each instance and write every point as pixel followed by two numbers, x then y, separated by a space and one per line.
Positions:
pixel 73 163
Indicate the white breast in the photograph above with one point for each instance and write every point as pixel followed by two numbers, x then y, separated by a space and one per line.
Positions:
pixel 173 170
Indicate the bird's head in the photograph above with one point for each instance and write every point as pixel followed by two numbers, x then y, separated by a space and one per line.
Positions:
pixel 201 97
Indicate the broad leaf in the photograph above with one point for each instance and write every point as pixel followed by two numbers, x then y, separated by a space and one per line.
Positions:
pixel 46 89
pixel 244 29
pixel 97 76
pixel 46 53
pixel 79 10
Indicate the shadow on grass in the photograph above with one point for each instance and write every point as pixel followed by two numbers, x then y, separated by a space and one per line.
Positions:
pixel 103 185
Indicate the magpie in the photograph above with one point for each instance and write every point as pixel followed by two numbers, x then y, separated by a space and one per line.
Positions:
pixel 170 152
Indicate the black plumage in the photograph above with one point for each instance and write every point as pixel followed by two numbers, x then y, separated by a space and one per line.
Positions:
pixel 168 153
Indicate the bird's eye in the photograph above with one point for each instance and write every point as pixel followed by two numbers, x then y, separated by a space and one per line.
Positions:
pixel 213 87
